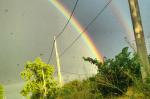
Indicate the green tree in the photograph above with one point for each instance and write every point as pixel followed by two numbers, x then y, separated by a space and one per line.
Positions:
pixel 40 83
pixel 1 92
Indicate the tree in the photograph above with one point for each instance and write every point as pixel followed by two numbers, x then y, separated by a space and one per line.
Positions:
pixel 40 83
pixel 1 92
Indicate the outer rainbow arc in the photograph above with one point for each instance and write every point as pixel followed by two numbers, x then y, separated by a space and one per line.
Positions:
pixel 120 17
pixel 79 28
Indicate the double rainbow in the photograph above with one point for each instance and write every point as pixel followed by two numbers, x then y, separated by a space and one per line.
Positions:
pixel 79 29
pixel 85 36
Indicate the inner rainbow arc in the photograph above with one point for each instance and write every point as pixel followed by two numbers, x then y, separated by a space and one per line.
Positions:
pixel 74 22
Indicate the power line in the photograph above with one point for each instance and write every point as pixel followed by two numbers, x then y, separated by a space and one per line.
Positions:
pixel 63 29
pixel 101 11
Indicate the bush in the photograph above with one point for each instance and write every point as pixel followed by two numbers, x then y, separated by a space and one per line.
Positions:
pixel 116 75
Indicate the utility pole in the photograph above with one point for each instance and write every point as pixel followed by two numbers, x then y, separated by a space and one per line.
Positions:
pixel 58 62
pixel 139 37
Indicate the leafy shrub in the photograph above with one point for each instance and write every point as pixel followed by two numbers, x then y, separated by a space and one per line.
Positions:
pixel 116 75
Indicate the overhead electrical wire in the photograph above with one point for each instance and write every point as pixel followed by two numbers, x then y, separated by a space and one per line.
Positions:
pixel 100 12
pixel 63 29
pixel 65 26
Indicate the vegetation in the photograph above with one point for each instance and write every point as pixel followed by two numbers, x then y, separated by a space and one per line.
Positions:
pixel 117 77
pixel 1 92
pixel 114 77
pixel 79 90
pixel 40 83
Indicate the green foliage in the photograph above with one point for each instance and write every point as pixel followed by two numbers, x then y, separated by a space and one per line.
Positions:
pixel 40 83
pixel 1 92
pixel 116 75
pixel 146 87
pixel 143 87
pixel 79 90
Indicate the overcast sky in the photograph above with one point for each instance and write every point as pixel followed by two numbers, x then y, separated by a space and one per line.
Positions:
pixel 107 31
pixel 27 28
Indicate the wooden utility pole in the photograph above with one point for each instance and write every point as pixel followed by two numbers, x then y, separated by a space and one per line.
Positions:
pixel 58 62
pixel 139 37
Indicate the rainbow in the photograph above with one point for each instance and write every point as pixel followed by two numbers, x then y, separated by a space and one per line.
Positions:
pixel 123 22
pixel 74 22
